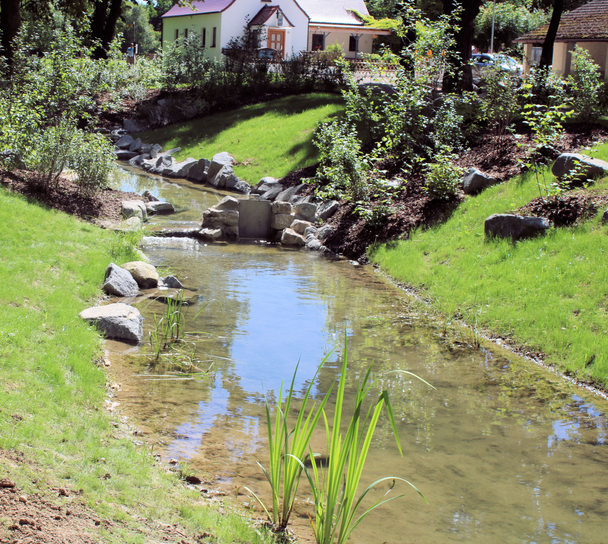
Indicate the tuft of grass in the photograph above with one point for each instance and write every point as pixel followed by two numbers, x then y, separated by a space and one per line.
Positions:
pixel 52 392
pixel 269 139
pixel 547 293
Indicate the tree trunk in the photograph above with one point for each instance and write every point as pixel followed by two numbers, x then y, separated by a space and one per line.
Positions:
pixel 10 24
pixel 462 80
pixel 546 57
pixel 103 25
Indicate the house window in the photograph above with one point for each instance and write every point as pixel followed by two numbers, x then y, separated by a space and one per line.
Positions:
pixel 214 36
pixel 185 33
pixel 317 42
pixel 352 43
pixel 176 33
pixel 279 19
pixel 204 39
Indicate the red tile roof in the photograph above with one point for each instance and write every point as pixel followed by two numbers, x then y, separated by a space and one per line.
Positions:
pixel 587 23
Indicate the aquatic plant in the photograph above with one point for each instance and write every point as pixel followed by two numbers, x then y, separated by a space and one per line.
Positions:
pixel 334 488
pixel 169 328
pixel 287 449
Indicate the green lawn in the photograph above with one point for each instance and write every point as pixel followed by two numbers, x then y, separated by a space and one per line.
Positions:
pixel 268 139
pixel 548 293
pixel 52 392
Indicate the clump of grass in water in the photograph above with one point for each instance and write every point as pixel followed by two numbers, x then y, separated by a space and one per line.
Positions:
pixel 333 481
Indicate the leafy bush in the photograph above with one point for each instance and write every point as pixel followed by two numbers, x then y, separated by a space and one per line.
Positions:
pixel 344 168
pixel 442 177
pixel 500 104
pixel 586 86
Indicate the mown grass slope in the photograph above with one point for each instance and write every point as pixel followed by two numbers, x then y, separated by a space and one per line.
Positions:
pixel 550 293
pixel 269 139
pixel 52 392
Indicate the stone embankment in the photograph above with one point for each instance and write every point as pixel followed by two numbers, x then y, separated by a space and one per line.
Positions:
pixel 131 282
pixel 289 218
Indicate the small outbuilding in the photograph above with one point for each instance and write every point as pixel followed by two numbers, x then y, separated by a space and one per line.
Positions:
pixel 585 27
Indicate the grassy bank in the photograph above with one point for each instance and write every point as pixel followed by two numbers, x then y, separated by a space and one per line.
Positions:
pixel 52 392
pixel 548 294
pixel 268 139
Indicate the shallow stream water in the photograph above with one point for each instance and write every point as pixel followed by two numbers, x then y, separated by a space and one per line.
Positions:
pixel 502 450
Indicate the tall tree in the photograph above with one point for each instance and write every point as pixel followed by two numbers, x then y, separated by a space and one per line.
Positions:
pixel 103 25
pixel 546 56
pixel 10 24
pixel 469 10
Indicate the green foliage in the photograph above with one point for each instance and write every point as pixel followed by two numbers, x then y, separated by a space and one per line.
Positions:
pixel 288 448
pixel 334 489
pixel 511 20
pixel 135 26
pixel 586 86
pixel 344 169
pixel 184 63
pixel 500 104
pixel 546 293
pixel 442 177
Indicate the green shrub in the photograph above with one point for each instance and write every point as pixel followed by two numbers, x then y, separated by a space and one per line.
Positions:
pixel 586 86
pixel 442 177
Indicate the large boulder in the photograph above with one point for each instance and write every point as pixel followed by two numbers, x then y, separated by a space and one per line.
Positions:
pixel 268 188
pixel 589 168
pixel 119 282
pixel 325 232
pixel 139 160
pixel 306 211
pixel 210 234
pixel 220 161
pixel 214 218
pixel 136 145
pixel 159 208
pixel 134 208
pixel 475 181
pixel 237 185
pixel 198 172
pixel 179 169
pixel 219 178
pixel 124 155
pixel 281 207
pixel 143 273
pixel 282 221
pixel 124 142
pixel 119 321
pixel 327 209
pixel 300 226
pixel 290 194
pixel 227 203
pixel 515 227
pixel 292 238
pixel 156 151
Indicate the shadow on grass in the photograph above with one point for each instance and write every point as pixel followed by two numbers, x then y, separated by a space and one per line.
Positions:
pixel 209 128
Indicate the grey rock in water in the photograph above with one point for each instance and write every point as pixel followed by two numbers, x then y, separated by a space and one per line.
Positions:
pixel 139 160
pixel 173 282
pixel 136 145
pixel 125 141
pixel 325 232
pixel 210 234
pixel 156 151
pixel 219 178
pixel 143 273
pixel 589 167
pixel 126 155
pixel 159 208
pixel 327 209
pixel 300 226
pixel 227 203
pixel 147 194
pixel 292 238
pixel 119 321
pixel 198 172
pixel 282 221
pixel 475 181
pixel 238 185
pixel 180 169
pixel 515 227
pixel 132 125
pixel 119 282
pixel 214 218
pixel 134 208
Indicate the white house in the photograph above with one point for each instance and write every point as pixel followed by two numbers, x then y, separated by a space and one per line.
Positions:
pixel 287 26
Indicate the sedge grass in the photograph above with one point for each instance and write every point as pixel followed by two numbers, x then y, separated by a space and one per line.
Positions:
pixel 51 392
pixel 269 139
pixel 287 450
pixel 548 293
pixel 338 508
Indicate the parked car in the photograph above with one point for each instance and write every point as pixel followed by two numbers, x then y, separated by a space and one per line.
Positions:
pixel 483 61
pixel 269 54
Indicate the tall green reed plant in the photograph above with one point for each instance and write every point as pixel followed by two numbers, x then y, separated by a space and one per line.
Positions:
pixel 287 449
pixel 335 488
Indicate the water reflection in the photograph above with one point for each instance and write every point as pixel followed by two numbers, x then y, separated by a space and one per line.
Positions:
pixel 502 450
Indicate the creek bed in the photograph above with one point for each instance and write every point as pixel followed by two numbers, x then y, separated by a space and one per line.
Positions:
pixel 503 450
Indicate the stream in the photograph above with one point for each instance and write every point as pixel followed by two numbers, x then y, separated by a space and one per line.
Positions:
pixel 502 450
